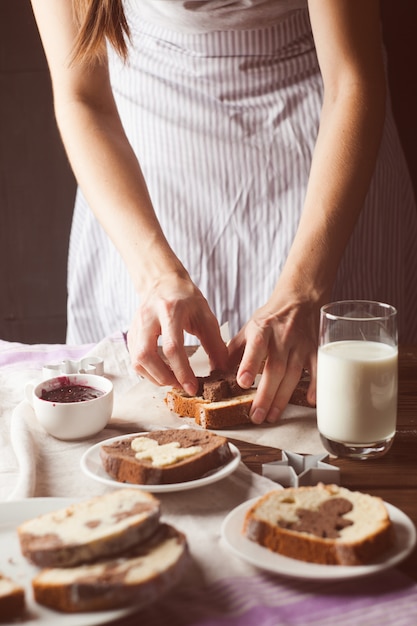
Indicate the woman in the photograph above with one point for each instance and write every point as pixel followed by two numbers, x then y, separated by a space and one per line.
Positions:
pixel 274 179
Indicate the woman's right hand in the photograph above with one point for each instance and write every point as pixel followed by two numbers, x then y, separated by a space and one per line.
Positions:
pixel 169 308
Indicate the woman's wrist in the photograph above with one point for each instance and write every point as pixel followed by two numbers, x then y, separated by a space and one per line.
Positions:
pixel 301 288
pixel 161 276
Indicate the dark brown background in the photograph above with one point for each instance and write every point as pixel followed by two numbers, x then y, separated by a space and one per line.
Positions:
pixel 37 188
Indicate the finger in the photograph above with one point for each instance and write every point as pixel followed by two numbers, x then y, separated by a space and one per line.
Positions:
pixel 283 395
pixel 236 347
pixel 275 389
pixel 158 372
pixel 144 374
pixel 286 388
pixel 150 365
pixel 254 354
pixel 213 344
pixel 174 351
pixel 263 404
pixel 145 357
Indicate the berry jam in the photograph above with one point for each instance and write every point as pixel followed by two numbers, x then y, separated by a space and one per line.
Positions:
pixel 71 393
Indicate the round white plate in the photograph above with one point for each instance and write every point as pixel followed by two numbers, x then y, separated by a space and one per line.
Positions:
pixel 92 466
pixel 14 565
pixel 270 561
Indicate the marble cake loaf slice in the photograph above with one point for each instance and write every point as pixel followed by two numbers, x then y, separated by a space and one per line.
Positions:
pixel 219 403
pixel 228 413
pixel 324 524
pixel 12 599
pixel 90 529
pixel 137 577
pixel 165 456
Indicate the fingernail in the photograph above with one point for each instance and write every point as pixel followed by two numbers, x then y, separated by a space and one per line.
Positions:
pixel 245 380
pixel 273 415
pixel 258 416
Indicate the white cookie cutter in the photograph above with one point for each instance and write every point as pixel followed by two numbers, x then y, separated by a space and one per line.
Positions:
pixel 87 365
pixel 296 470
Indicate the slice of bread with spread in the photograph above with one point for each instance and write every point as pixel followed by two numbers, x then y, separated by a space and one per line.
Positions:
pixel 98 527
pixel 324 524
pixel 138 577
pixel 12 599
pixel 219 403
pixel 165 456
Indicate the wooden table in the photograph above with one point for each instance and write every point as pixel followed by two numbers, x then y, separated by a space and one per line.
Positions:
pixel 393 477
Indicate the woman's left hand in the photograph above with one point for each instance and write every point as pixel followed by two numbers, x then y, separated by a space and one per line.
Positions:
pixel 279 341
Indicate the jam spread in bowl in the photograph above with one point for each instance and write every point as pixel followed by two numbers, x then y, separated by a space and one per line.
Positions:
pixel 71 393
pixel 74 406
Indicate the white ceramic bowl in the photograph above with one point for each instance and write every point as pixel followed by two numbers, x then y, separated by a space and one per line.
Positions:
pixel 64 418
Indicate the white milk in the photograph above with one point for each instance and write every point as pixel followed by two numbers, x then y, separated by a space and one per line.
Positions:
pixel 357 391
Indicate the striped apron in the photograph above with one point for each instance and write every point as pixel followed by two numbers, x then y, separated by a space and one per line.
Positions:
pixel 224 125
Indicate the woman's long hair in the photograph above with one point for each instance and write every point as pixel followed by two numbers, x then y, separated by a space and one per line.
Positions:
pixel 98 21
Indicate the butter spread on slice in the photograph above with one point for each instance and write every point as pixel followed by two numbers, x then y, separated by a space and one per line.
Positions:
pixel 162 455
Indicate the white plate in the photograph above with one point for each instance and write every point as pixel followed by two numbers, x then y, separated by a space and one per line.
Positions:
pixel 92 466
pixel 13 564
pixel 266 559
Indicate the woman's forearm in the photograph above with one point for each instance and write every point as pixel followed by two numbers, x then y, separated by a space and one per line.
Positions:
pixel 109 174
pixel 341 171
pixel 344 158
pixel 99 152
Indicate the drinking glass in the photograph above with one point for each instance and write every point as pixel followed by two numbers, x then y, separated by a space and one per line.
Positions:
pixel 357 378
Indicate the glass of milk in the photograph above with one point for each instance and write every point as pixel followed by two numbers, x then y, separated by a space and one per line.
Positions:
pixel 357 378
